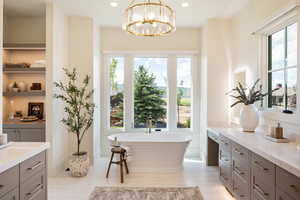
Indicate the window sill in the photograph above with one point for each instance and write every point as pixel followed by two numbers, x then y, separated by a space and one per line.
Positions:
pixel 121 130
pixel 277 115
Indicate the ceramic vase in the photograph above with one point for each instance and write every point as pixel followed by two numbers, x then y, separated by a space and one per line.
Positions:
pixel 22 86
pixel 249 118
pixel 10 87
pixel 79 165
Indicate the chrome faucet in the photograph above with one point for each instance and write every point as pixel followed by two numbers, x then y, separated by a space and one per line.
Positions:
pixel 149 126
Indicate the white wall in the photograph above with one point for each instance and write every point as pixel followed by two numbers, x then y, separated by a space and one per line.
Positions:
pixel 246 48
pixel 24 30
pixel 115 39
pixel 82 57
pixel 96 85
pixel 56 57
pixel 216 59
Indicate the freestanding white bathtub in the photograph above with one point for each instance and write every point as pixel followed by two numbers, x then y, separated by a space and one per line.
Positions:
pixel 155 152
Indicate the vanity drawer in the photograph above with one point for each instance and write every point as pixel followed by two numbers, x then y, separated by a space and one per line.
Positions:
pixel 240 188
pixel 264 187
pixel 34 188
pixel 263 169
pixel 224 143
pixel 280 195
pixel 257 196
pixel 226 174
pixel 289 183
pixel 9 180
pixel 31 166
pixel 12 195
pixel 241 168
pixel 240 153
pixel 224 155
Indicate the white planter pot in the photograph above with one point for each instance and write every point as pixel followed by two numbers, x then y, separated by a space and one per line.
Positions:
pixel 249 118
pixel 79 165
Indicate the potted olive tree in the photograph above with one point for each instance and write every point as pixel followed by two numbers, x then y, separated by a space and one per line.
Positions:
pixel 79 110
pixel 249 117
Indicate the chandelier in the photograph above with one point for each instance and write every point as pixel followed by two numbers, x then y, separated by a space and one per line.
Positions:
pixel 149 18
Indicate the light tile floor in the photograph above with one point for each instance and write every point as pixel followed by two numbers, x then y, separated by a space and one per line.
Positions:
pixel 195 173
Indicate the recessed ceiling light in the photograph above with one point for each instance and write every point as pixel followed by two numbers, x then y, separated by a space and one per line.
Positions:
pixel 185 4
pixel 113 4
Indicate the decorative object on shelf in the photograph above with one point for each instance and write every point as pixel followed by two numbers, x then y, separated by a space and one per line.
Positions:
pixel 18 113
pixel 38 64
pixel 249 117
pixel 36 86
pixel 15 87
pixel 36 109
pixel 29 119
pixel 10 87
pixel 78 108
pixel 149 18
pixel 22 86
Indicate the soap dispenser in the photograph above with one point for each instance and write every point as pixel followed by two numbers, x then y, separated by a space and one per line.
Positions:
pixel 279 132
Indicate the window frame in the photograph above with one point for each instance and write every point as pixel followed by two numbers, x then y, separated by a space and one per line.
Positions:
pixel 129 90
pixel 272 26
pixel 283 68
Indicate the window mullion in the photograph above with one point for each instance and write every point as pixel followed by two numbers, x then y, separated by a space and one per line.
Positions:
pixel 172 93
pixel 128 93
pixel 285 68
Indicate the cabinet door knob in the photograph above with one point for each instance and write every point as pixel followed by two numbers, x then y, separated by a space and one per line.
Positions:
pixel 295 188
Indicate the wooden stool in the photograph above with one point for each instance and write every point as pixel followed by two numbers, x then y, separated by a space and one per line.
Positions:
pixel 122 152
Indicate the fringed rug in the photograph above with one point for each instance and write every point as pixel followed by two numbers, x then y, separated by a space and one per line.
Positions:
pixel 146 193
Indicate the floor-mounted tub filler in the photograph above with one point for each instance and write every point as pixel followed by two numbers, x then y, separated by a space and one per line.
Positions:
pixel 156 152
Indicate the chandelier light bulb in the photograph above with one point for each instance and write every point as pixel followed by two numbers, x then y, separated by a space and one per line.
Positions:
pixel 185 4
pixel 113 4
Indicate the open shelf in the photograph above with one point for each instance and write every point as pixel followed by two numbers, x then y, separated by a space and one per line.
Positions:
pixel 37 70
pixel 20 94
pixel 24 46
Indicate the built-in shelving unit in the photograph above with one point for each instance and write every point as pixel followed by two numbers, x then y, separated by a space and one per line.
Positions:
pixel 24 94
pixel 24 46
pixel 17 55
pixel 37 70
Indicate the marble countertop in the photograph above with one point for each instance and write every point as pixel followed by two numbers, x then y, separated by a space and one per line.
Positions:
pixel 18 152
pixel 284 155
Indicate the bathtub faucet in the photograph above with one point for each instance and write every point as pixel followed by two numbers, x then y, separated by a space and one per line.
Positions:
pixel 149 126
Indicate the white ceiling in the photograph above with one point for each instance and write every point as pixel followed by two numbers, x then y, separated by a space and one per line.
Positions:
pixel 193 16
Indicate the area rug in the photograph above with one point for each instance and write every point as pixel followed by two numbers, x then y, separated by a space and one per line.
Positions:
pixel 146 193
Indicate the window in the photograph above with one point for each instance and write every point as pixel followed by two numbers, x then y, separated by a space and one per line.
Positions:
pixel 116 83
pixel 150 92
pixel 282 68
pixel 137 89
pixel 184 90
